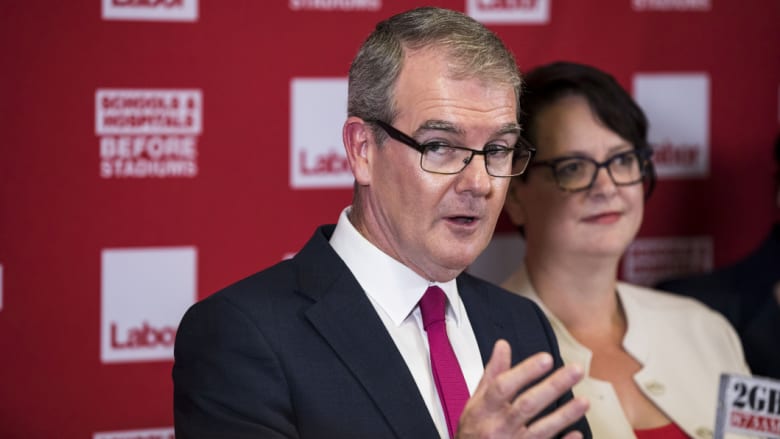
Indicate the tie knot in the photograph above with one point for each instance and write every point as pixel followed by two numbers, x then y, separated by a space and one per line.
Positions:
pixel 432 306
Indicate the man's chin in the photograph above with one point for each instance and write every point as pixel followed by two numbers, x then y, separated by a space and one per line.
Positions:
pixel 460 261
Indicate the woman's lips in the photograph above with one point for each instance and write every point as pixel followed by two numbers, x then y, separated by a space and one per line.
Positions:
pixel 603 218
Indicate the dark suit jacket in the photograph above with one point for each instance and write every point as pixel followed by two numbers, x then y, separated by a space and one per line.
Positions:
pixel 743 292
pixel 298 351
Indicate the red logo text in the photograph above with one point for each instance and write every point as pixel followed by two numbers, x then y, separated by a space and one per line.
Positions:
pixel 146 336
pixel 330 163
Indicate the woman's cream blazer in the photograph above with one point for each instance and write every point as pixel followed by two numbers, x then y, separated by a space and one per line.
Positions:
pixel 682 345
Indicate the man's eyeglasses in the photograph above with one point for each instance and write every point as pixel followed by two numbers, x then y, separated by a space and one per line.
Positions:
pixel 442 158
pixel 575 174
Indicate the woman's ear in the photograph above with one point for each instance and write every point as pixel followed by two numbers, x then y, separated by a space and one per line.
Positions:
pixel 514 205
pixel 356 135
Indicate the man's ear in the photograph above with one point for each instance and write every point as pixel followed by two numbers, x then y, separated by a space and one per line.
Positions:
pixel 357 135
pixel 514 205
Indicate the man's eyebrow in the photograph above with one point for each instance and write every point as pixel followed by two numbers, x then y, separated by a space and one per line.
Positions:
pixel 443 125
pixel 510 128
pixel 438 125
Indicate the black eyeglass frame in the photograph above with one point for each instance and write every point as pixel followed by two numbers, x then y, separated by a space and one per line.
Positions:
pixel 643 157
pixel 407 140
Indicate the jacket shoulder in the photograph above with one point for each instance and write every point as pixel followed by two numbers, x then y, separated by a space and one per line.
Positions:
pixel 654 299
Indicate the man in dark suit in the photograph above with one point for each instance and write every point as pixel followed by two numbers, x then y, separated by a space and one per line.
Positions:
pixel 334 343
pixel 748 294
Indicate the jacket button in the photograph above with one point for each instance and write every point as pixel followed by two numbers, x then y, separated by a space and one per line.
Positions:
pixel 655 388
pixel 703 433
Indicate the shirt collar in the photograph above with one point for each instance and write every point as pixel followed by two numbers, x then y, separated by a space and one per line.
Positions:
pixel 389 283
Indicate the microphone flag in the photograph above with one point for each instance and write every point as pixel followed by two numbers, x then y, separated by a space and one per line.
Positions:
pixel 748 405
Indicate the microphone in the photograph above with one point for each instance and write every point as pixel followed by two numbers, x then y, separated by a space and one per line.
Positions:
pixel 748 405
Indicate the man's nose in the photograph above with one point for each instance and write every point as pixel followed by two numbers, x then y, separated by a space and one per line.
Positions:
pixel 474 177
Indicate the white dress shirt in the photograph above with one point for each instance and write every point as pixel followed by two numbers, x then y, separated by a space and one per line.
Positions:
pixel 394 290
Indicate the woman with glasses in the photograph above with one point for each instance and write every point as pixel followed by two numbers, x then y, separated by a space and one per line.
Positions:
pixel 652 360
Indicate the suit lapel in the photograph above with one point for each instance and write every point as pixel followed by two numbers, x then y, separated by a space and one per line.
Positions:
pixel 485 322
pixel 344 317
pixel 493 318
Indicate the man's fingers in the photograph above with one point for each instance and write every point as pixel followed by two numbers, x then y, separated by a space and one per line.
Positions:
pixel 503 389
pixel 533 400
pixel 497 407
pixel 560 419
pixel 500 360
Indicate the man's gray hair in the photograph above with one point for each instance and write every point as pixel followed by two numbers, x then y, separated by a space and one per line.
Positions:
pixel 473 50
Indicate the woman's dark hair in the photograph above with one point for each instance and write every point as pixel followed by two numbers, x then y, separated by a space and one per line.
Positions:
pixel 614 107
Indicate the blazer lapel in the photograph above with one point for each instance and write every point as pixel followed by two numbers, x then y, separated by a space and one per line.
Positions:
pixel 486 322
pixel 344 317
pixel 493 318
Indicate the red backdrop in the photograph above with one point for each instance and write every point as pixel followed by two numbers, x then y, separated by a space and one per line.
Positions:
pixel 103 246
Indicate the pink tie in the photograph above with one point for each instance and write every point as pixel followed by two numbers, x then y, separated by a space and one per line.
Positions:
pixel 450 383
